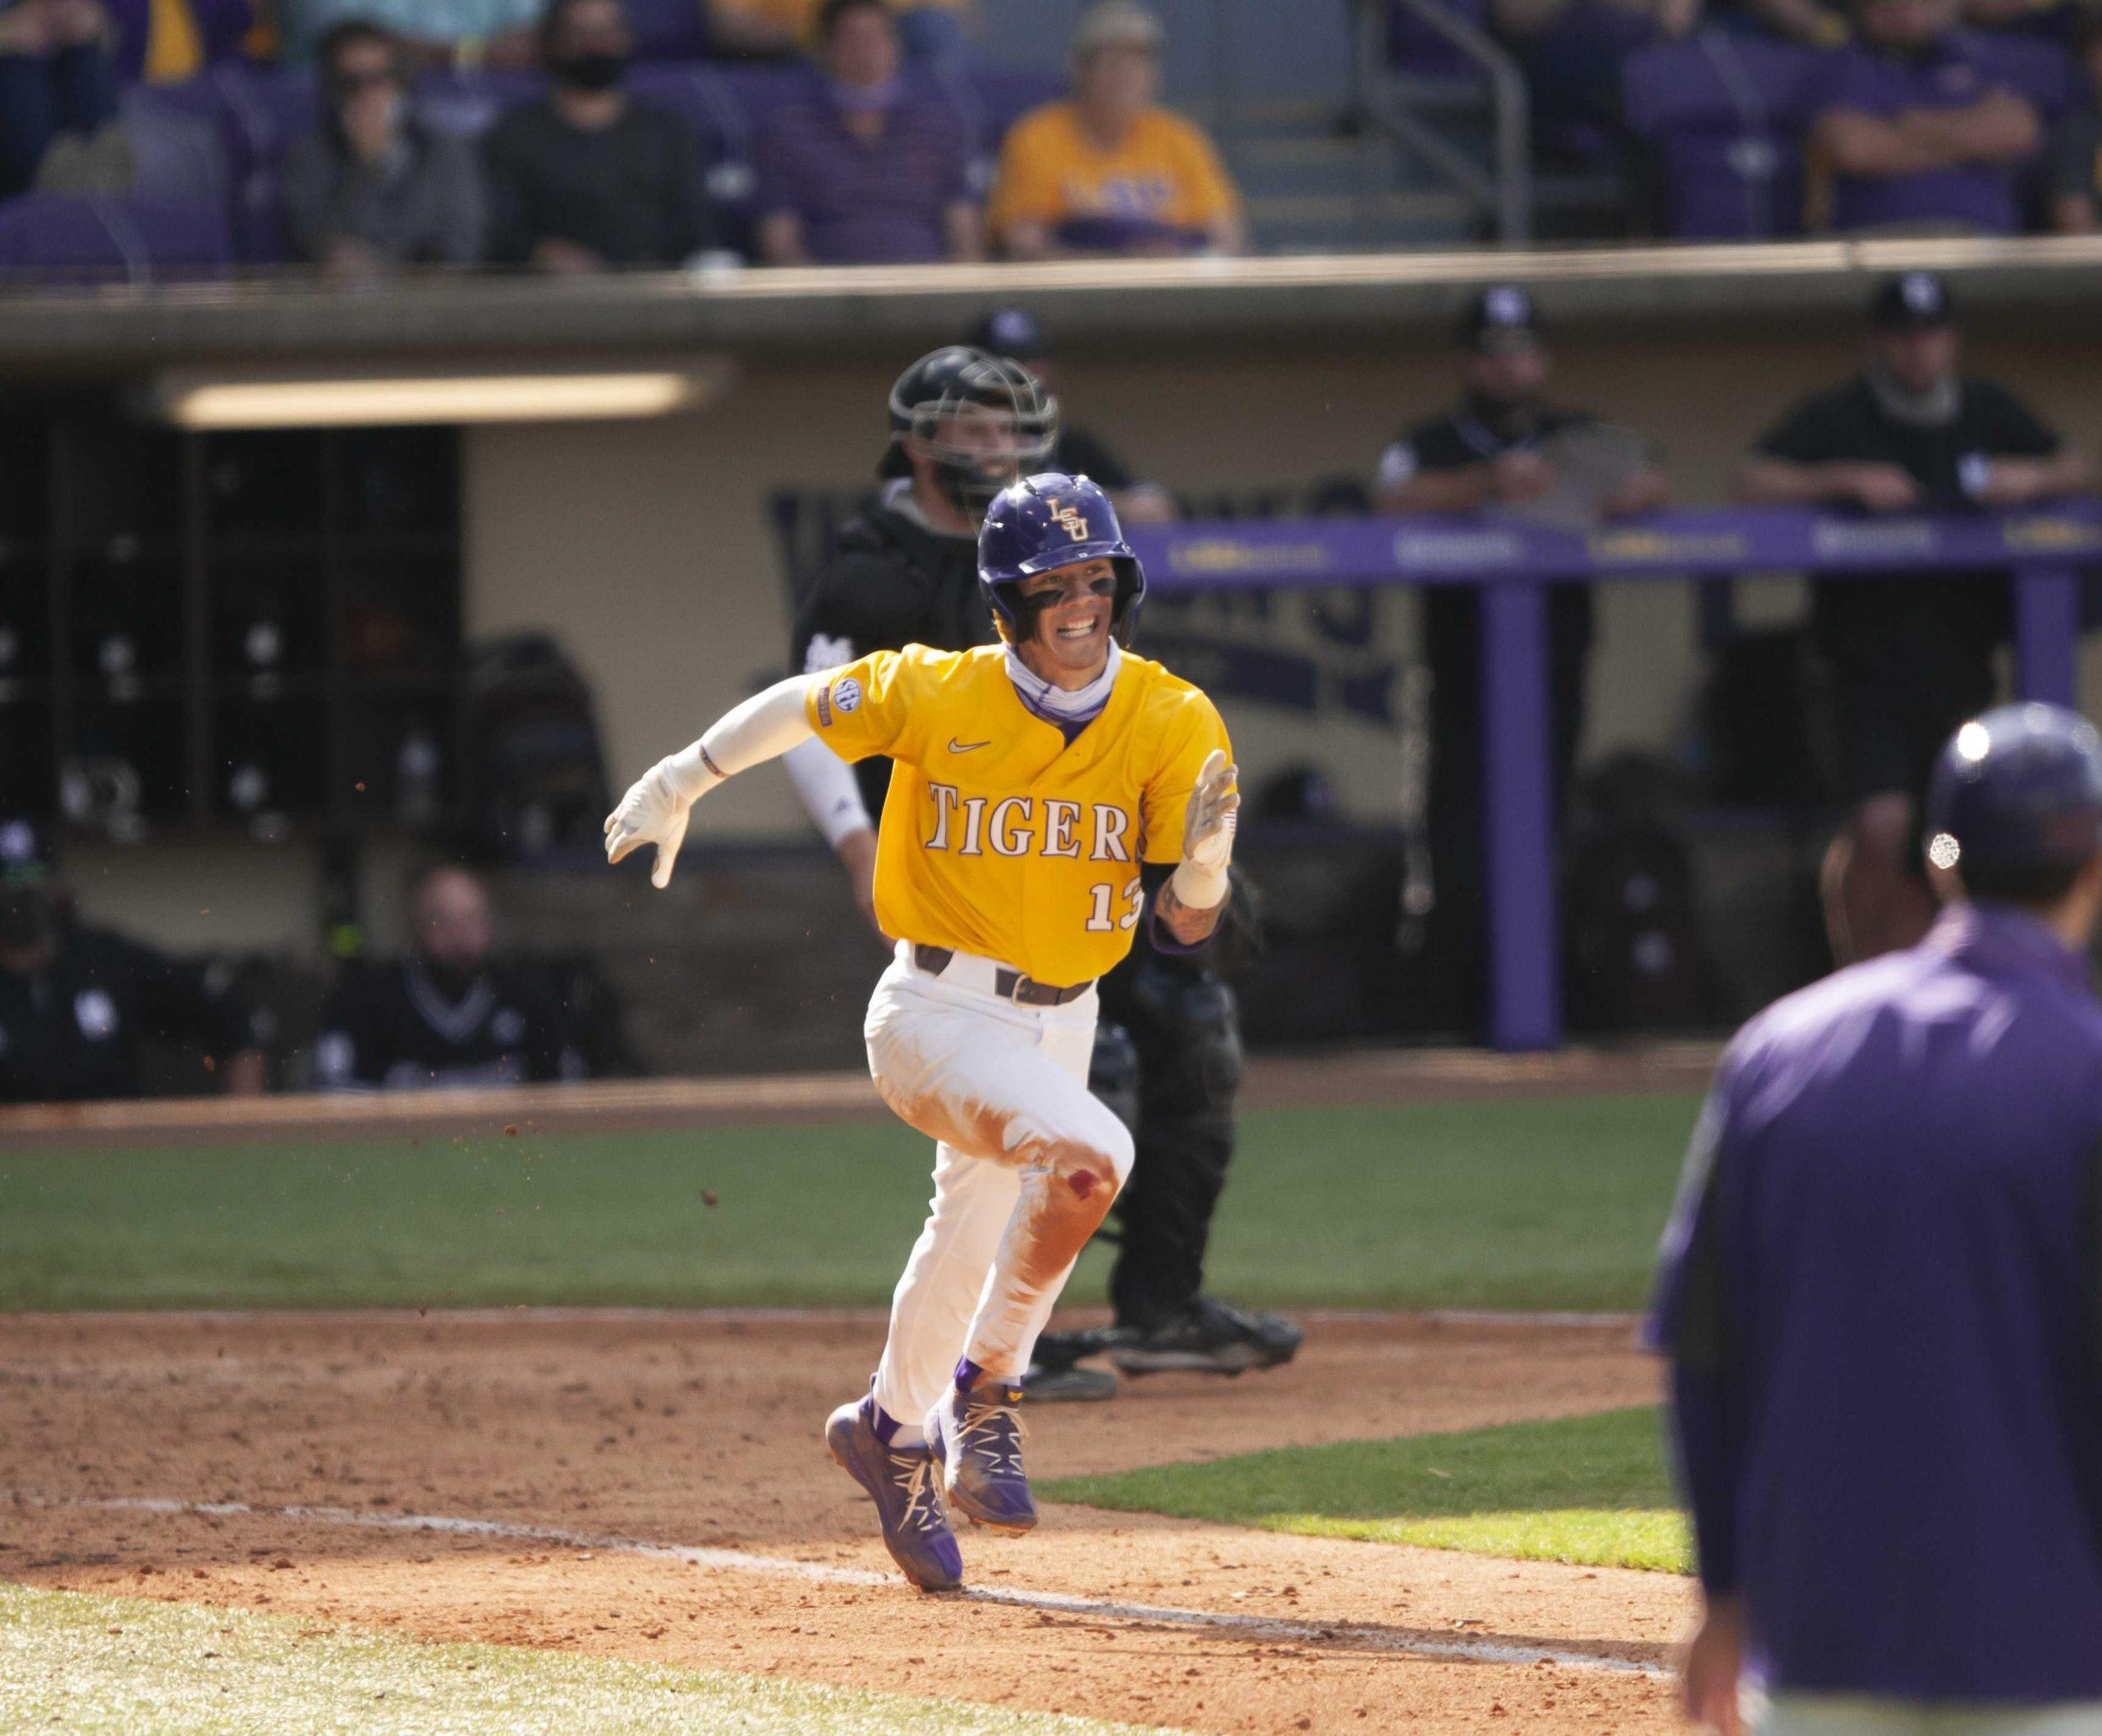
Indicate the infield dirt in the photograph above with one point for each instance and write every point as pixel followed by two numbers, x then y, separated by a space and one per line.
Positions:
pixel 703 1431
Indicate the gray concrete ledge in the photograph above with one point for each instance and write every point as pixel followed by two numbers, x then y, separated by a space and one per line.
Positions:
pixel 117 332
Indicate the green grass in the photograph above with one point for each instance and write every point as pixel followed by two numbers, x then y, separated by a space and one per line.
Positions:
pixel 1517 1204
pixel 1588 1490
pixel 132 1667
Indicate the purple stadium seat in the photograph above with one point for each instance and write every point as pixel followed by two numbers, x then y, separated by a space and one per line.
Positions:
pixel 1725 112
pixel 68 238
pixel 177 151
pixel 667 30
pixel 256 112
pixel 993 99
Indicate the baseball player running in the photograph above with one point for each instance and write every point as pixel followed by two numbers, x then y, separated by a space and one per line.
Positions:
pixel 1882 1296
pixel 1033 779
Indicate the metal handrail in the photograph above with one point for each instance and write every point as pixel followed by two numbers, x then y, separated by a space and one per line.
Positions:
pixel 1507 191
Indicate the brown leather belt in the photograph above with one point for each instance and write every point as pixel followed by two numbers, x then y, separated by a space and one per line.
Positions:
pixel 1008 985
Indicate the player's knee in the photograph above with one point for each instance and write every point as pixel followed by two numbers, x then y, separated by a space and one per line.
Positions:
pixel 1114 1153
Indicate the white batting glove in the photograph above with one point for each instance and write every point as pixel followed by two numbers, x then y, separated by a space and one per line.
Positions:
pixel 1208 828
pixel 655 808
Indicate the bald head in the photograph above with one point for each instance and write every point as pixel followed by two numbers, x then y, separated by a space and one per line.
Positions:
pixel 453 927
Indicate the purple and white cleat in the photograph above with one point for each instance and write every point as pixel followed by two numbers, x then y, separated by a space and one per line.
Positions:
pixel 976 1435
pixel 905 1483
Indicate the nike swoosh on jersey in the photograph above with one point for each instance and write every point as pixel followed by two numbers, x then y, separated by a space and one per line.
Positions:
pixel 966 748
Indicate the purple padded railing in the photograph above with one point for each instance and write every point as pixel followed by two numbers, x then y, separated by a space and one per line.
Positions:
pixel 64 237
pixel 1514 563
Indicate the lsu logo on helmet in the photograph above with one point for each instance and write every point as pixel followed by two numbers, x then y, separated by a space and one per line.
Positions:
pixel 1072 520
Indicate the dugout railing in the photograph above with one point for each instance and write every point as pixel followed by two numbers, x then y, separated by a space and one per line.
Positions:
pixel 2044 551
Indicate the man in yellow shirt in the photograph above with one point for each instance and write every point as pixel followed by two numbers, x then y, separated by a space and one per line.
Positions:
pixel 1031 779
pixel 1109 172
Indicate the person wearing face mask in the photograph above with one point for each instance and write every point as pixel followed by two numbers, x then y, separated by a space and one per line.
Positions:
pixel 1495 450
pixel 449 1015
pixel 1910 655
pixel 588 179
pixel 868 168
pixel 371 189
pixel 78 1002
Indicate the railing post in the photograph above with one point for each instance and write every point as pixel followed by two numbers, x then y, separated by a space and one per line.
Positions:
pixel 1517 808
pixel 2047 634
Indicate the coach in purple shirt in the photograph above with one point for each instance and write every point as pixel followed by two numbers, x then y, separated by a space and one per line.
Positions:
pixel 1918 128
pixel 866 169
pixel 1881 1293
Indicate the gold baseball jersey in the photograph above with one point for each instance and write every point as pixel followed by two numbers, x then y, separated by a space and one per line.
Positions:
pixel 998 838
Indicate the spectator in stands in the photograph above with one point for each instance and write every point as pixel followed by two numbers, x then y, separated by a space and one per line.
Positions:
pixel 588 179
pixel 76 1002
pixel 58 81
pixel 1015 332
pixel 1572 51
pixel 866 167
pixel 163 42
pixel 1109 172
pixel 1916 127
pixel 371 188
pixel 2076 143
pixel 465 34
pixel 449 1014
pixel 1911 655
pixel 1502 446
pixel 928 29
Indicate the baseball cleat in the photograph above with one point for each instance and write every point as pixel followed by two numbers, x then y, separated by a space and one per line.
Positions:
pixel 1055 1376
pixel 1209 1337
pixel 977 1436
pixel 905 1483
pixel 1068 1385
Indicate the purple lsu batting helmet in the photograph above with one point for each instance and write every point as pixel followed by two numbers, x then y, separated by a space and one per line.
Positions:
pixel 1044 522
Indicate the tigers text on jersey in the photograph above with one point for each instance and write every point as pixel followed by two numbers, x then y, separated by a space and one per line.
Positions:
pixel 998 838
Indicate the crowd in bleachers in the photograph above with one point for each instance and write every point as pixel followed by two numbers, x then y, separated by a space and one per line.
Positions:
pixel 1784 117
pixel 576 136
pixel 197 136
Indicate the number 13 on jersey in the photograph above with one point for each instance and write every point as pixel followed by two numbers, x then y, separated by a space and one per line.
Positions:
pixel 1105 898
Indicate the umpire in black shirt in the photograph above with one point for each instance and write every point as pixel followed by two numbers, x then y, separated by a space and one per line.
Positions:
pixel 77 1003
pixel 1911 656
pixel 1493 450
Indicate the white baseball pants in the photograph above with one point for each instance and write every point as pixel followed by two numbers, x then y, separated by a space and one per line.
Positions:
pixel 1026 1162
pixel 1863 1714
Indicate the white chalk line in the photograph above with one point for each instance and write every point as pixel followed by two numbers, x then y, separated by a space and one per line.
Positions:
pixel 781 1567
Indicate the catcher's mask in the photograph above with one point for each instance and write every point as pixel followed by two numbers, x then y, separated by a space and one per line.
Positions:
pixel 984 419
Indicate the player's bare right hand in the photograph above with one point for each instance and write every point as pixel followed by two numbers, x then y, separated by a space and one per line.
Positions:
pixel 653 811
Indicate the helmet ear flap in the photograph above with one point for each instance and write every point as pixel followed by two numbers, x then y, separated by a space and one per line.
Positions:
pixel 1131 598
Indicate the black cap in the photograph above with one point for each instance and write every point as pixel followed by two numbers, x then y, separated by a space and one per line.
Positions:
pixel 1502 316
pixel 25 855
pixel 1912 302
pixel 1011 331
